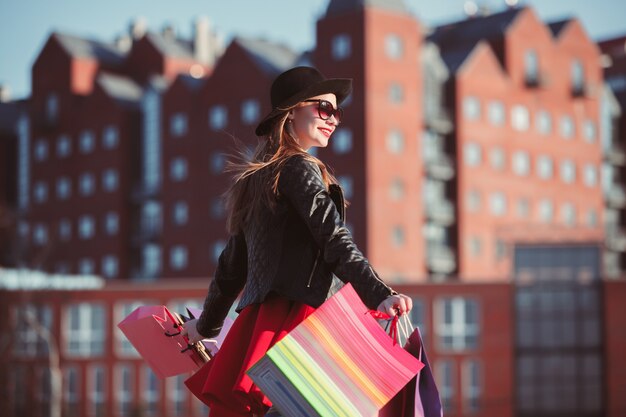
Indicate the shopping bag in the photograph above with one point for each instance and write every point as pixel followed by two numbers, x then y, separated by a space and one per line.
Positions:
pixel 420 397
pixel 155 332
pixel 337 363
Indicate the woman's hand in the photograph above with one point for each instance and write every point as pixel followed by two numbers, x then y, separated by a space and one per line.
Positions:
pixel 396 304
pixel 190 330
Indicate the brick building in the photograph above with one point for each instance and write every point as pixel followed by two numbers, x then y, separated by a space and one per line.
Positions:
pixel 471 154
pixel 614 62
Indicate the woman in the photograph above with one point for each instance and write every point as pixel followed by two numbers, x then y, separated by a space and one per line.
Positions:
pixel 288 238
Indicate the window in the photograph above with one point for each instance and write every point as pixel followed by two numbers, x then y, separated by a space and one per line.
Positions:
pixel 342 141
pixel 218 211
pixel 472 154
pixel 531 67
pixel 109 266
pixel 151 141
pixel 394 46
pixel 520 118
pixel 85 329
pixel 110 180
pixel 180 213
pixel 592 218
pixel 497 159
pixel 151 392
pixel 446 379
pixel 431 145
pixel 177 396
pixel 125 389
pixel 496 113
pixel 396 93
pixel 110 137
pixel 87 142
pixel 218 162
pixel 471 385
pixel 418 315
pixel 568 171
pixel 216 250
pixel 52 108
pixel 64 188
pixel 218 117
pixel 27 341
pixel 42 391
pixel 617 83
pixel 178 169
pixel 341 47
pixel 457 324
pixel 97 391
pixel 86 266
pixel 471 108
pixel 521 163
pixel 590 175
pixel 23 229
pixel 475 246
pixel 178 257
pixel 546 211
pixel 65 230
pixel 347 185
pixel 544 122
pixel 71 394
pixel 62 268
pixel 87 184
pixel 86 227
pixel 398 236
pixel 151 218
pixel 396 189
pixel 40 192
pixel 473 201
pixel 111 223
pixel 40 234
pixel 395 141
pixel 41 150
pixel 578 78
pixel 589 131
pixel 123 347
pixel 497 204
pixel 568 214
pixel 178 125
pixel 501 250
pixel 567 127
pixel 558 358
pixel 151 260
pixel 23 162
pixel 250 110
pixel 544 167
pixel 64 146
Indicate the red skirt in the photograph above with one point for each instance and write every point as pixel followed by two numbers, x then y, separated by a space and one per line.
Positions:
pixel 231 393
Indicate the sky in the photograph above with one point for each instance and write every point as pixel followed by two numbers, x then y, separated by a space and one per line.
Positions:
pixel 25 25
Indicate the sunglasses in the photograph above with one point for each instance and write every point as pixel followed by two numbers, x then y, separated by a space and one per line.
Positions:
pixel 325 109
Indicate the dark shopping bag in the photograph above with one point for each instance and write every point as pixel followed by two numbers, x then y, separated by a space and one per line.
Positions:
pixel 420 397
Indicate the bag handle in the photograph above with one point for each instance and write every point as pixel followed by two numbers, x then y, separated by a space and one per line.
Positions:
pixel 392 323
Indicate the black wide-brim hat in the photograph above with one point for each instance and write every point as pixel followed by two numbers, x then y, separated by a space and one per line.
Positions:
pixel 298 84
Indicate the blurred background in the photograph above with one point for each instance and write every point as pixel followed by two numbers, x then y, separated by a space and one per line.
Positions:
pixel 483 154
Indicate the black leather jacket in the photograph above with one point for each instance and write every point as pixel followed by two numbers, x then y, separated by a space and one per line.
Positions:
pixel 293 251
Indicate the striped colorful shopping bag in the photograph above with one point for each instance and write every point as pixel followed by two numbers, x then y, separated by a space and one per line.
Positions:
pixel 338 362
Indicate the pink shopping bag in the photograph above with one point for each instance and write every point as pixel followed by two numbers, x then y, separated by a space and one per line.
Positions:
pixel 155 332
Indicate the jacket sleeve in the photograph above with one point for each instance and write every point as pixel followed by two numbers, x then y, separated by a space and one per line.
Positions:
pixel 301 183
pixel 229 280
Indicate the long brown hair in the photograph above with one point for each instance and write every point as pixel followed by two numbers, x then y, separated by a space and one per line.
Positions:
pixel 255 179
